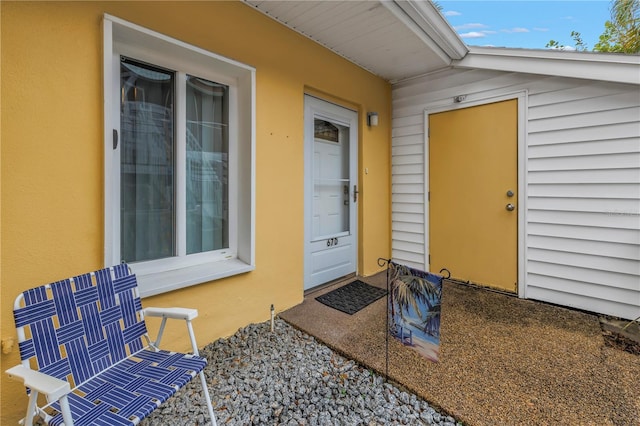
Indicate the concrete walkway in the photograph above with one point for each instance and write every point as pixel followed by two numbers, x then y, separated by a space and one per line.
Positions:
pixel 503 360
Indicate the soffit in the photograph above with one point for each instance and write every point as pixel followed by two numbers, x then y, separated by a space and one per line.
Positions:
pixel 392 39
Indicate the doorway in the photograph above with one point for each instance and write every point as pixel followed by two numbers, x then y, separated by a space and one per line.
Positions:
pixel 331 191
pixel 473 194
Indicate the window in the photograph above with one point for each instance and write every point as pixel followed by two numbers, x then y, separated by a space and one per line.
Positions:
pixel 325 130
pixel 147 162
pixel 179 160
pixel 207 166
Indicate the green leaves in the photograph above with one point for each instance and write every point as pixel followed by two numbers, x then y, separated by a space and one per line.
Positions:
pixel 621 33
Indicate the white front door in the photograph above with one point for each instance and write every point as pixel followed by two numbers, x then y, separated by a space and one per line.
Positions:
pixel 330 182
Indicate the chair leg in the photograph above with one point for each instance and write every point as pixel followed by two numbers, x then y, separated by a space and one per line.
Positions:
pixel 205 389
pixel 31 407
pixel 205 394
pixel 66 411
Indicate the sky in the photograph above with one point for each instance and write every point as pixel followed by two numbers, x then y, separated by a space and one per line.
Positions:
pixel 526 23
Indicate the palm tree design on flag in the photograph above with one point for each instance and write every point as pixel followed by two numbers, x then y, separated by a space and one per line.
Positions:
pixel 415 307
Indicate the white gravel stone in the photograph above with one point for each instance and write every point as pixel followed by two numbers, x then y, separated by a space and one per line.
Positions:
pixel 288 378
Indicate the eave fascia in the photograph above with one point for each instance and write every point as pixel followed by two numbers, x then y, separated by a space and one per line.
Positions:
pixel 429 18
pixel 618 68
pixel 426 22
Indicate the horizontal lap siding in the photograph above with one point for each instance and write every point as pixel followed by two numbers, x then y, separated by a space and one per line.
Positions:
pixel 584 174
pixel 407 184
pixel 583 183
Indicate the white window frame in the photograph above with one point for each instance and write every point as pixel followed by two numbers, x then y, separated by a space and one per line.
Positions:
pixel 122 38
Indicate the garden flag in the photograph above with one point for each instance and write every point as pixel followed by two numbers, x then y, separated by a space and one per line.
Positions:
pixel 414 309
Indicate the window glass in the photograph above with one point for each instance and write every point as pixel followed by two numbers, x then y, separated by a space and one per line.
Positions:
pixel 207 168
pixel 325 130
pixel 331 201
pixel 147 179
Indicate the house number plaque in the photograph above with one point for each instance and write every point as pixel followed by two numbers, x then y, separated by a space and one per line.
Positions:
pixel 332 242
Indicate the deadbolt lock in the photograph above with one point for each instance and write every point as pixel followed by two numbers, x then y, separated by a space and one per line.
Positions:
pixel 509 193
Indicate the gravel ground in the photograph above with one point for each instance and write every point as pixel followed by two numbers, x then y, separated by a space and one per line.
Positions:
pixel 288 378
pixel 503 360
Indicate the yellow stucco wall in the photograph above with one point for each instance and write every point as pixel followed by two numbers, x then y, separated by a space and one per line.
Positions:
pixel 51 175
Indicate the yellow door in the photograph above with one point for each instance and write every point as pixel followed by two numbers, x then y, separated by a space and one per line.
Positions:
pixel 473 179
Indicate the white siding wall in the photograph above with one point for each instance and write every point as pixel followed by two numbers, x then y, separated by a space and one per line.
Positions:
pixel 582 218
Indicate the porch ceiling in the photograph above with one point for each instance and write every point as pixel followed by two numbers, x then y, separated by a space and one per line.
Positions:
pixel 392 39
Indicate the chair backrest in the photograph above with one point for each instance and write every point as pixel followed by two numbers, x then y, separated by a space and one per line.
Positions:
pixel 75 328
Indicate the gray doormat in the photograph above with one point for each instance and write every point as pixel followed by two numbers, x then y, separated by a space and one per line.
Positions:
pixel 352 297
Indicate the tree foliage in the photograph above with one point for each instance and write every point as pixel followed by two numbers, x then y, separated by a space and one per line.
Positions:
pixel 579 44
pixel 621 33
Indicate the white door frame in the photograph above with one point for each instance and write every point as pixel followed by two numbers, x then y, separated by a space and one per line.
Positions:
pixel 318 108
pixel 522 97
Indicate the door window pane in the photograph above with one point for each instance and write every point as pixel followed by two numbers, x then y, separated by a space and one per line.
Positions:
pixel 331 184
pixel 325 130
pixel 207 168
pixel 147 189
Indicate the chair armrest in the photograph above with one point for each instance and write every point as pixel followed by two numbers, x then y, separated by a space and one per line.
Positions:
pixel 174 313
pixel 50 386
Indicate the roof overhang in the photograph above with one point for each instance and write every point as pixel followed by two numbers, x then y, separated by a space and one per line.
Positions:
pixel 402 39
pixel 428 24
pixel 394 39
pixel 619 68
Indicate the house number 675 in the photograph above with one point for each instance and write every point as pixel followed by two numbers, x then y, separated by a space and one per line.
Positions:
pixel 332 242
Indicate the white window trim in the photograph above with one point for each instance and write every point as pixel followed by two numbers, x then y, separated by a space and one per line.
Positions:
pixel 159 276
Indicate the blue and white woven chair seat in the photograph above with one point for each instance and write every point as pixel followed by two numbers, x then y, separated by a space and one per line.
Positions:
pixel 131 390
pixel 85 346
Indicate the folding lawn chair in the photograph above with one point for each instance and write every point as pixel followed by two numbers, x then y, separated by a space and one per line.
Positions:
pixel 84 345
